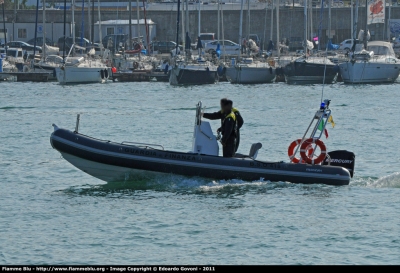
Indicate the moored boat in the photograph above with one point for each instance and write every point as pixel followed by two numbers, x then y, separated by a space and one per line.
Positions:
pixel 250 73
pixel 311 70
pixel 202 72
pixel 377 64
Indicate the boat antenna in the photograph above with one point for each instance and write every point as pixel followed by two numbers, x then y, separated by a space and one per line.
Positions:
pixel 323 81
pixel 327 47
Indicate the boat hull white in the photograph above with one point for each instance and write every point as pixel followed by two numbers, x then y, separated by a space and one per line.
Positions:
pixel 369 72
pixel 249 75
pixel 106 172
pixel 77 75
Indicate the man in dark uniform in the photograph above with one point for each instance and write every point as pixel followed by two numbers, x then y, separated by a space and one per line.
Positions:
pixel 230 117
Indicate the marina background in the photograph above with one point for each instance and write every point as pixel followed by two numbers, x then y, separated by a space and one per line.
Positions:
pixel 52 213
pixel 164 18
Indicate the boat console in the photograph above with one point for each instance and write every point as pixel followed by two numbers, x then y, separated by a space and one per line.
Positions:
pixel 206 143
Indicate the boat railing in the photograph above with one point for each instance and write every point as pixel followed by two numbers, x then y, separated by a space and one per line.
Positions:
pixel 146 145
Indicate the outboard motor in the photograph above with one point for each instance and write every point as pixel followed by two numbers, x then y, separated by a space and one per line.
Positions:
pixel 341 158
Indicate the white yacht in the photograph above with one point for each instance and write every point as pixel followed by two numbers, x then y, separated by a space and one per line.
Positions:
pixel 377 64
pixel 86 71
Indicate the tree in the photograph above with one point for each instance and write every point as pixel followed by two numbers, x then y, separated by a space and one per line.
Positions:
pixel 8 4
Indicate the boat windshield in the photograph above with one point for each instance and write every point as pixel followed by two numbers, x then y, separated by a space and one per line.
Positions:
pixel 380 50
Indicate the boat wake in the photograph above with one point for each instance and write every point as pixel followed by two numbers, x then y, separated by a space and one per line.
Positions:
pixel 177 184
pixel 388 181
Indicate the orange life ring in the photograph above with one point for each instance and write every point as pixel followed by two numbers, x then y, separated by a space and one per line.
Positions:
pixel 291 148
pixel 307 157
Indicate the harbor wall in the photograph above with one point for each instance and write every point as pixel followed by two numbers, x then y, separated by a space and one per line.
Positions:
pixel 291 22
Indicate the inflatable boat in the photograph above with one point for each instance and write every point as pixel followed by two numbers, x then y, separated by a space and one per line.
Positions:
pixel 110 161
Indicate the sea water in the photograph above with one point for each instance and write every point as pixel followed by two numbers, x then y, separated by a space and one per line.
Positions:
pixel 53 213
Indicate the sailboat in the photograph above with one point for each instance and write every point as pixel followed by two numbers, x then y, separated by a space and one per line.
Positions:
pixel 195 72
pixel 86 71
pixel 131 60
pixel 249 71
pixel 49 60
pixel 309 70
pixel 376 63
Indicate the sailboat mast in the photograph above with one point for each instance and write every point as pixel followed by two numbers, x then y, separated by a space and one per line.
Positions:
pixel 137 22
pixel 199 20
pixel 4 29
pixel 352 21
pixel 92 25
pixel 388 32
pixel 366 25
pixel 73 20
pixel 223 37
pixel 183 24
pixel 265 25
pixel 240 27
pixel 44 29
pixel 187 17
pixel 138 26
pixel 305 27
pixel 177 27
pixel 310 19
pixel 90 29
pixel 130 25
pixel 146 28
pixel 248 21
pixel 36 22
pixel 272 19
pixel 355 27
pixel 218 23
pixel 65 16
pixel 277 28
pixel 329 22
pixel 83 23
pixel 100 34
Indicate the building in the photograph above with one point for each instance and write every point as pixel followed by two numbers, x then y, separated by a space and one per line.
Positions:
pixel 26 31
pixel 122 27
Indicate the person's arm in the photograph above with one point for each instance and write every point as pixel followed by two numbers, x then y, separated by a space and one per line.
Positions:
pixel 239 119
pixel 216 115
pixel 228 127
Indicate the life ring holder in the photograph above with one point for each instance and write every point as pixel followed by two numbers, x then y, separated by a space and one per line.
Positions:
pixel 309 158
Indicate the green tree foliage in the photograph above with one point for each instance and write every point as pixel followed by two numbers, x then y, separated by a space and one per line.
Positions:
pixel 10 4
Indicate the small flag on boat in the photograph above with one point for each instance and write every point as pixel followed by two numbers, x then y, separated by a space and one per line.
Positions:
pixel 326 133
pixel 321 128
pixel 321 125
pixel 330 120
